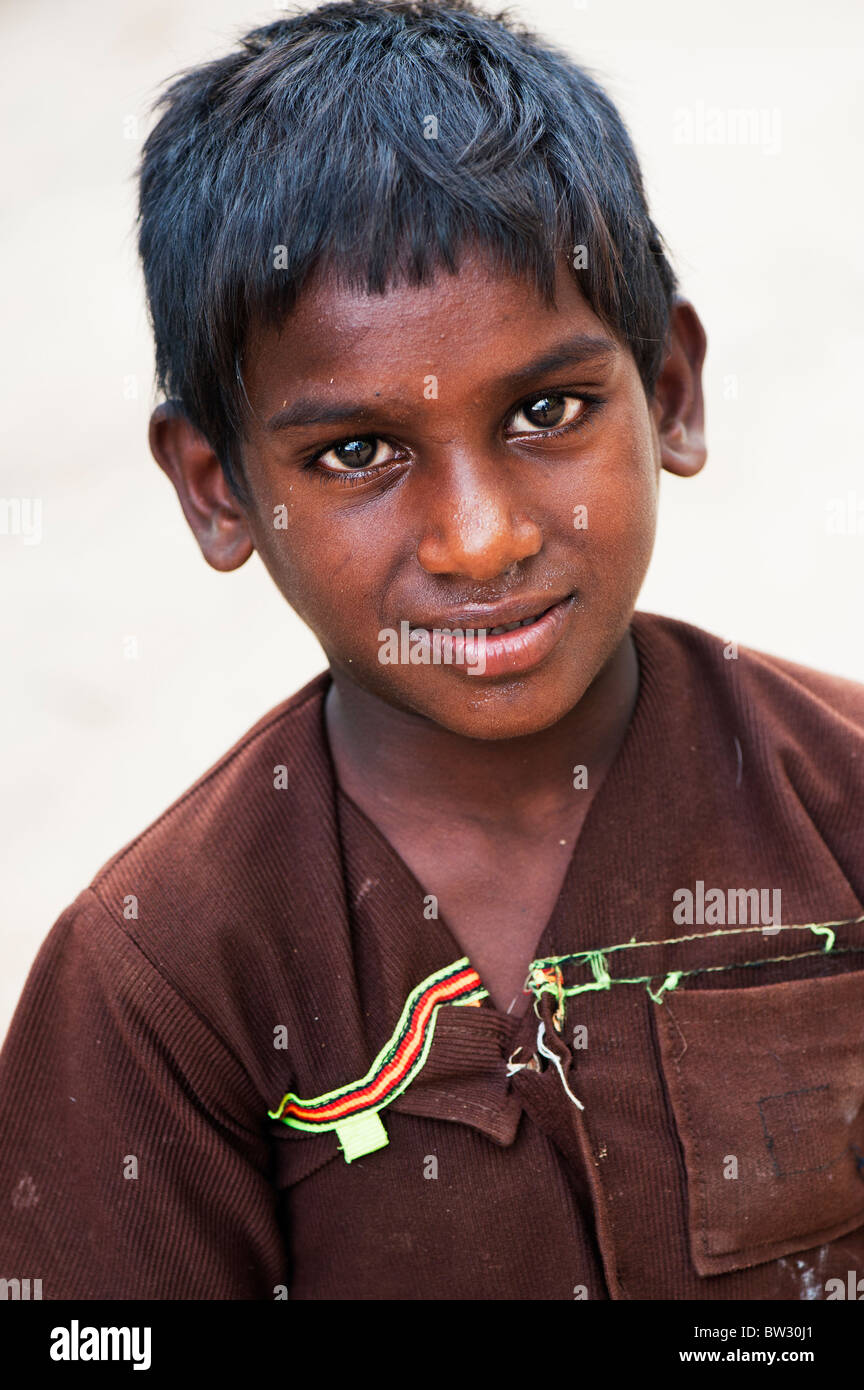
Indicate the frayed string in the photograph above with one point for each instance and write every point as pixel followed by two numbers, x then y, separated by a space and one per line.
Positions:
pixel 512 1067
pixel 556 1060
pixel 670 982
pixel 548 981
pixel 825 931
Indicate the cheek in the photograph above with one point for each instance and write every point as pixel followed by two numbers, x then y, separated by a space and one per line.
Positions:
pixel 326 571
pixel 618 489
pixel 313 569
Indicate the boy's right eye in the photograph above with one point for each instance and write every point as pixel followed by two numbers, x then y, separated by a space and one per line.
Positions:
pixel 352 454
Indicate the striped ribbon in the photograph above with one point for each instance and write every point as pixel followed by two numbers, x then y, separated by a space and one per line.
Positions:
pixel 352 1110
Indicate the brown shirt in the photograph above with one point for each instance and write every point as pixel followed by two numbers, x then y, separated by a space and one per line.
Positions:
pixel 262 937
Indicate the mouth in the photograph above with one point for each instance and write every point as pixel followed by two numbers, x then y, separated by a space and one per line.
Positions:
pixel 517 642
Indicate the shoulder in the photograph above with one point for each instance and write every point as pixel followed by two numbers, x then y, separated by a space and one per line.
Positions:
pixel 232 797
pixel 778 746
pixel 798 732
pixel 212 890
pixel 774 689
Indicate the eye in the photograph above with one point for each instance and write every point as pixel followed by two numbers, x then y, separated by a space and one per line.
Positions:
pixel 352 454
pixel 547 412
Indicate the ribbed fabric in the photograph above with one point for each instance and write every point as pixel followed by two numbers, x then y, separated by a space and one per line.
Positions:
pixel 148 1036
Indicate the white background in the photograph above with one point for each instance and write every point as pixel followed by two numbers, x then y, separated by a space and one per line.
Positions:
pixel 766 241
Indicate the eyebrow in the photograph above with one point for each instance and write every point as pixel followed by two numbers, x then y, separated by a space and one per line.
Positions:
pixel 309 410
pixel 585 347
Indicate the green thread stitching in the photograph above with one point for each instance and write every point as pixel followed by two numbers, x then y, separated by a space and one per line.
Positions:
pixel 600 971
pixel 596 960
pixel 671 982
pixel 826 931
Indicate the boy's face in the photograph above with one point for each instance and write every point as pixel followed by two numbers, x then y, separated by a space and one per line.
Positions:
pixel 458 455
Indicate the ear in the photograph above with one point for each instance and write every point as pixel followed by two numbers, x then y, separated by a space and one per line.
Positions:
pixel 678 407
pixel 211 509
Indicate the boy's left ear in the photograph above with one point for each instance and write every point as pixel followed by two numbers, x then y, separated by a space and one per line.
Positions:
pixel 678 406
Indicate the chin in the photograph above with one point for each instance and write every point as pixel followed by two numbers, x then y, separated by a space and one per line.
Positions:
pixel 503 711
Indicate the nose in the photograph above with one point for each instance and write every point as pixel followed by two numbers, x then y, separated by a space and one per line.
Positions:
pixel 475 528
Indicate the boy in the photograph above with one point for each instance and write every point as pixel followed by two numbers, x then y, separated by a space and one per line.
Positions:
pixel 518 955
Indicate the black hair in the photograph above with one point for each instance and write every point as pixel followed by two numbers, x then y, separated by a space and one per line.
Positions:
pixel 318 136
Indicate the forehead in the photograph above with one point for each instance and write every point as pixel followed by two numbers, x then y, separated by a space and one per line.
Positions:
pixel 480 323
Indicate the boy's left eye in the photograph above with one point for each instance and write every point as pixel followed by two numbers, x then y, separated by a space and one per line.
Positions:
pixel 548 411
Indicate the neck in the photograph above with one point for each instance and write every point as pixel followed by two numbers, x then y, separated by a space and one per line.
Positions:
pixel 387 758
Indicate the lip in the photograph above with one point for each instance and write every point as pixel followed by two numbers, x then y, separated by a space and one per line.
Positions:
pixel 509 653
pixel 489 615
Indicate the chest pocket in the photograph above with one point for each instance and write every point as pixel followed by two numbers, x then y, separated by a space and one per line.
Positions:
pixel 766 1085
